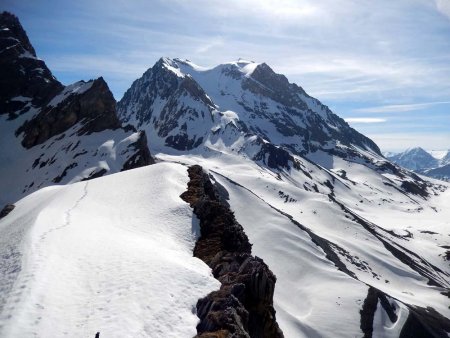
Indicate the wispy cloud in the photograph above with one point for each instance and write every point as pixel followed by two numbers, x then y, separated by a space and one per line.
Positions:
pixel 364 120
pixel 307 40
pixel 399 108
pixel 444 7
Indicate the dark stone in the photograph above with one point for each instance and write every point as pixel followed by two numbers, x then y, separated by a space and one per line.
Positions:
pixel 182 142
pixel 425 323
pixel 243 307
pixel 95 174
pixel 274 157
pixel 370 307
pixel 415 188
pixel 6 210
pixel 142 155
pixel 59 178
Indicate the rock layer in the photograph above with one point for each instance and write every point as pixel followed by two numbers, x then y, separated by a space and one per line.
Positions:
pixel 243 307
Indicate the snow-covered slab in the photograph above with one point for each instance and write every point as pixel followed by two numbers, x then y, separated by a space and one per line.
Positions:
pixel 111 255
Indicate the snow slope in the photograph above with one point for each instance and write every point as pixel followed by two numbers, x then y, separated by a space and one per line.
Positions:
pixel 60 160
pixel 359 245
pixel 297 232
pixel 112 255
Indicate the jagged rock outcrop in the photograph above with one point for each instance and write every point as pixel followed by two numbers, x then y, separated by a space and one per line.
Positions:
pixel 243 307
pixel 420 323
pixel 23 75
pixel 91 103
pixel 142 156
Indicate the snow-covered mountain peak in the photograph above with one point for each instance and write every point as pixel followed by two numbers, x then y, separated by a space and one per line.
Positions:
pixel 236 68
pixel 415 158
pixel 432 163
pixel 170 65
pixel 184 106
pixel 415 150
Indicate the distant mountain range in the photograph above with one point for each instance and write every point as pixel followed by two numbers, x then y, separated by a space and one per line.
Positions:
pixel 434 164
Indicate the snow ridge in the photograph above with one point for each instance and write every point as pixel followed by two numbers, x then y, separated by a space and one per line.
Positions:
pixel 67 213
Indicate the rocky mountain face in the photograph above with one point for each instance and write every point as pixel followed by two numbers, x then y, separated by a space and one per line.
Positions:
pixel 441 172
pixel 244 108
pixel 25 79
pixel 423 162
pixel 414 159
pixel 52 133
pixel 242 105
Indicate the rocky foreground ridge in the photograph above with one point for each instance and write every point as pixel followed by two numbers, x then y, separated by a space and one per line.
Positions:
pixel 243 307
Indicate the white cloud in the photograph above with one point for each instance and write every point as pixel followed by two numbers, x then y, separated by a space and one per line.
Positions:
pixel 208 45
pixel 399 108
pixel 364 120
pixel 444 7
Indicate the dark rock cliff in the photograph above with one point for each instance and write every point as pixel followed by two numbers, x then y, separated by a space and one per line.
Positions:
pixel 142 156
pixel 95 108
pixel 420 323
pixel 243 307
pixel 22 74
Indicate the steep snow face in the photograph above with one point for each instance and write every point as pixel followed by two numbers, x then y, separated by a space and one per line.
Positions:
pixel 330 234
pixel 55 134
pixel 111 255
pixel 265 106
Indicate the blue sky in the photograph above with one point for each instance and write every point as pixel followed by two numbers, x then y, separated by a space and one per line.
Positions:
pixel 383 65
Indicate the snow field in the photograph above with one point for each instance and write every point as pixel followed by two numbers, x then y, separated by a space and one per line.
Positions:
pixel 112 255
